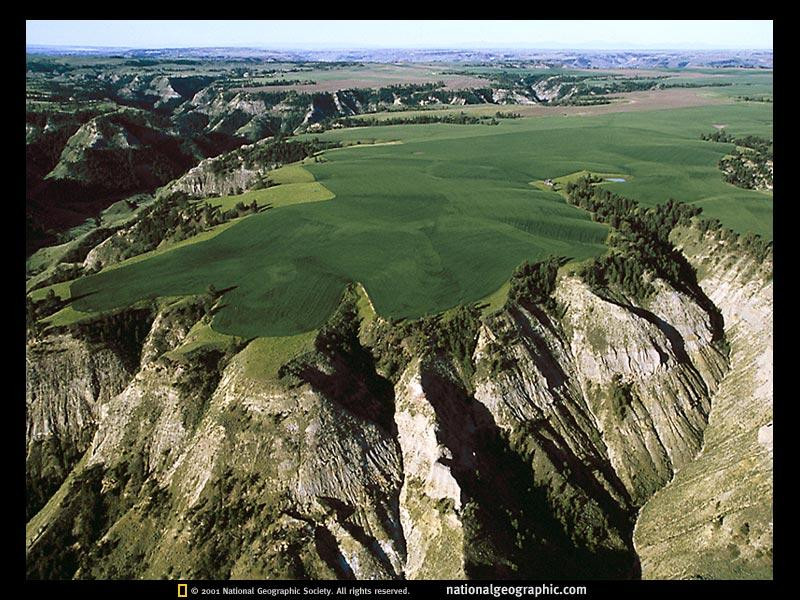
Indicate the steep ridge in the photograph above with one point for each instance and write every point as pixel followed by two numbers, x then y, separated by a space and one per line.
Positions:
pixel 137 148
pixel 600 403
pixel 431 495
pixel 707 523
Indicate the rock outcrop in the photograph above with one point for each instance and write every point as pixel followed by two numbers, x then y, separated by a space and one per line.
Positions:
pixel 204 180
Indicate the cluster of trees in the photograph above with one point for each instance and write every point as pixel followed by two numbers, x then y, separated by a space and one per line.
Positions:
pixel 58 555
pixel 535 282
pixel 174 214
pixel 455 119
pixel 239 210
pixel 92 504
pixel 404 91
pixel 752 142
pixel 695 84
pixel 618 86
pixel 340 332
pixel 602 203
pixel 124 330
pixel 629 216
pixel 749 169
pixel 583 101
pixel 197 381
pixel 753 99
pixel 620 270
pixel 640 244
pixel 277 82
pixel 756 143
pixel 41 309
pixel 275 152
pixel 621 396
pixel 178 217
pixel 392 343
pixel 262 181
pixel 221 523
pixel 451 335
pixel 750 164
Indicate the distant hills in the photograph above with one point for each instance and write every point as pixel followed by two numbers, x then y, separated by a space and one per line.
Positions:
pixel 579 58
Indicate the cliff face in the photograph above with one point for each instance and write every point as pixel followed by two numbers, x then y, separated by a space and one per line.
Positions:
pixel 528 455
pixel 70 376
pixel 612 384
pixel 203 180
pixel 431 496
pixel 66 381
pixel 603 401
pixel 714 519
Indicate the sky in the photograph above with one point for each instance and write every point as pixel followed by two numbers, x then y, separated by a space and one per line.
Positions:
pixel 602 35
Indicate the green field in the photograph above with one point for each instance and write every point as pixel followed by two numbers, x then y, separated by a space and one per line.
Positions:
pixel 276 197
pixel 296 185
pixel 441 218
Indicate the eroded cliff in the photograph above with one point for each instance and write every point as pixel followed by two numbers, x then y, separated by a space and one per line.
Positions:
pixel 517 444
pixel 714 519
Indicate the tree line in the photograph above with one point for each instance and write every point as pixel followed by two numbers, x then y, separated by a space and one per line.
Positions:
pixel 639 242
pixel 460 118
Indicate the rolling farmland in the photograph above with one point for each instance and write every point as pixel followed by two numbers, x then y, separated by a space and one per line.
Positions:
pixel 441 218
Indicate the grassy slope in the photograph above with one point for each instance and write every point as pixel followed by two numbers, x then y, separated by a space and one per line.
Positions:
pixel 442 218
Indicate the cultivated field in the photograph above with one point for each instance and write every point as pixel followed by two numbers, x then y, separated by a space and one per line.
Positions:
pixel 442 217
pixel 368 76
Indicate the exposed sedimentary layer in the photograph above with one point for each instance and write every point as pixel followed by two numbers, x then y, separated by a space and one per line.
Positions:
pixel 714 519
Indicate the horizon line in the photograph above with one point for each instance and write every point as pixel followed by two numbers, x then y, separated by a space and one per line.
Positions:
pixel 368 47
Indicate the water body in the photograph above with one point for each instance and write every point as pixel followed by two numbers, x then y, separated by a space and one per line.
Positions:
pixel 616 179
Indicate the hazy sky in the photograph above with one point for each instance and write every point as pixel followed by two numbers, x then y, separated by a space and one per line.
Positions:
pixel 396 34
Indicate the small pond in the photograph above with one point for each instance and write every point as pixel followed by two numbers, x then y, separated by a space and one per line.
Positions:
pixel 616 179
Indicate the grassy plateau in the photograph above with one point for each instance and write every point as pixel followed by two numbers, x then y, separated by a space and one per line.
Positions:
pixel 440 218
